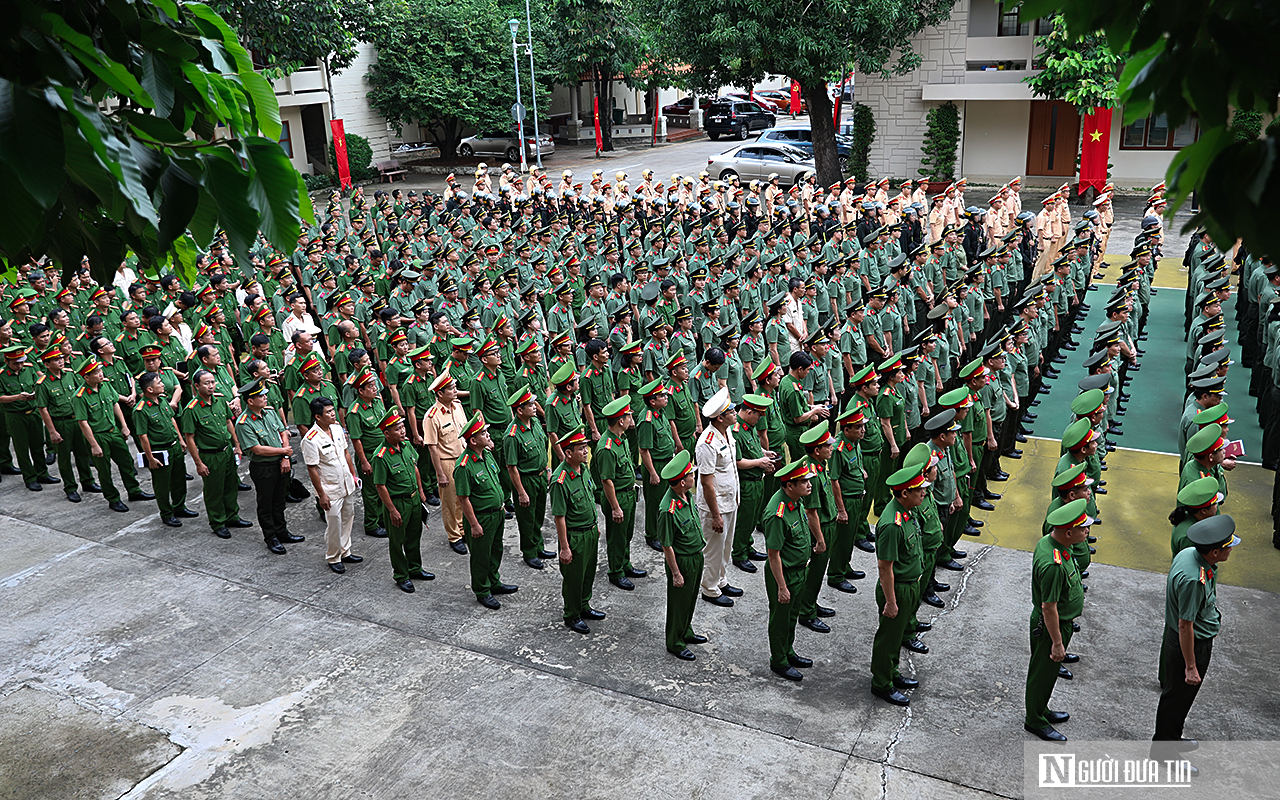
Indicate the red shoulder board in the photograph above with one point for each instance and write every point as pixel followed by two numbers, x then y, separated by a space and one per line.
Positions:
pixel 782 507
pixel 897 518
pixel 560 478
pixel 671 509
pixel 512 430
pixel 1057 556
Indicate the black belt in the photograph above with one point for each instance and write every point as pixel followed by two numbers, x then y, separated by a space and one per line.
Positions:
pixel 750 478
pixel 403 496
pixel 205 452
pixel 592 529
pixel 61 419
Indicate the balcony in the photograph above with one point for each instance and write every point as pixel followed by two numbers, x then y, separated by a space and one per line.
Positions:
pixel 1000 48
pixel 303 87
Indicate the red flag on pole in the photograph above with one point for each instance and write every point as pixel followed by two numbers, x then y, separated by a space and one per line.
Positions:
pixel 340 150
pixel 836 117
pixel 595 112
pixel 795 98
pixel 1095 149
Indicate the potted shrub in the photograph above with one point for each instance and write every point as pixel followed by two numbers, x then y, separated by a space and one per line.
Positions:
pixel 938 165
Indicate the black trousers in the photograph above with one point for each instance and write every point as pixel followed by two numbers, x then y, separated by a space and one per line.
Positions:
pixel 1176 695
pixel 272 488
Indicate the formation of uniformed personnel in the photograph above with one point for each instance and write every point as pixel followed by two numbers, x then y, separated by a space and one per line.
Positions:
pixel 477 482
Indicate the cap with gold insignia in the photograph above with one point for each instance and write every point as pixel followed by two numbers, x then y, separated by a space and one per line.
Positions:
pixel 149 351
pixel 717 404
pixel 922 453
pixel 908 478
pixel 309 363
pixel 1070 515
pixel 1072 477
pixel 865 375
pixel 1206 440
pixel 474 425
pixel 576 437
pixel 815 437
pixel 1218 531
pixel 521 397
pixel 676 360
pixel 1200 493
pixel 757 402
pixel 974 369
pixel 943 421
pixel 254 388
pixel 365 378
pixel 564 374
pixel 1078 434
pixel 1088 402
pixel 420 353
pixel 51 354
pixel 461 343
pixel 617 407
pixel 654 387
pixel 795 471
pixel 852 415
pixel 442 381
pixel 679 466
pixel 1214 414
pixel 489 347
pixel 763 370
pixel 84 368
pixel 390 420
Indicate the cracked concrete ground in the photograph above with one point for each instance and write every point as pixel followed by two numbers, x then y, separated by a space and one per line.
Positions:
pixel 176 664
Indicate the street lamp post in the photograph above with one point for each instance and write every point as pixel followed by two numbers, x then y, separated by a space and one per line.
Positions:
pixel 533 85
pixel 515 62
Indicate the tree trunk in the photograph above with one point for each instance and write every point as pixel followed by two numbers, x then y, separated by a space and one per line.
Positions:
pixel 824 131
pixel 448 136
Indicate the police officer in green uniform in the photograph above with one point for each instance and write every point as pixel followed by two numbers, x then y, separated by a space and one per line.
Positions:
pixel 943 430
pixel 754 465
pixel 931 542
pixel 54 391
pixel 489 394
pixel 613 469
pixel 209 434
pixel 102 424
pixel 1072 484
pixel 848 486
pixel 564 412
pixel 573 506
pixel 262 434
pixel 18 396
pixel 900 561
pixel 479 489
pixel 161 445
pixel 399 486
pixel 682 409
pixel 820 510
pixel 655 437
pixel 680 534
pixel 789 541
pixel 363 420
pixel 1197 500
pixel 866 386
pixel 525 454
pixel 1205 458
pixel 1057 598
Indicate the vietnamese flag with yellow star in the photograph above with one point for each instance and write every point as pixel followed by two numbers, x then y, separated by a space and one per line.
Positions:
pixel 1094 149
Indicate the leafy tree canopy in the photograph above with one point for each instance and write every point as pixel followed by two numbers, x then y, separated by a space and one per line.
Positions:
pixel 124 124
pixel 287 35
pixel 1081 70
pixel 1190 57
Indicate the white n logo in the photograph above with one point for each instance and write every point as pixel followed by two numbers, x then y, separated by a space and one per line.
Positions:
pixel 1057 769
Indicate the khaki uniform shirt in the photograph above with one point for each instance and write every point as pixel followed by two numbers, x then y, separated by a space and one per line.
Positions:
pixel 442 428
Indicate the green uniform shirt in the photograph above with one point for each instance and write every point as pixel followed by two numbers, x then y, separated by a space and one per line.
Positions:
pixel 525 446
pixel 1055 578
pixel 24 380
pixel 822 498
pixel 678 526
pixel 681 409
pixel 891 406
pixel 791 402
pixel 476 477
pixel 207 419
pixel 1191 593
pixel 563 415
pixel 612 461
pixel 154 419
pixel 489 396
pixel 899 539
pixel 395 468
pixel 362 424
pixel 847 469
pixel 573 497
pixel 97 407
pixel 654 434
pixel 944 485
pixel 747 439
pixel 259 429
pixel 1178 540
pixel 598 389
pixel 873 440
pixel 55 394
pixel 787 531
pixel 303 397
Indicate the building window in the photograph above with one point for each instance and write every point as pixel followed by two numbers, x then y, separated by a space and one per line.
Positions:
pixel 1009 24
pixel 1154 133
pixel 286 141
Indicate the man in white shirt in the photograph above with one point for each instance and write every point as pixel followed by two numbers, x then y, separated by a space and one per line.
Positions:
pixel 718 497
pixel 333 476
pixel 793 317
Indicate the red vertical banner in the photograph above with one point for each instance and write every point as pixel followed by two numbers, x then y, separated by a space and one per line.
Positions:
pixel 595 113
pixel 1095 147
pixel 340 150
pixel 795 98
pixel 835 120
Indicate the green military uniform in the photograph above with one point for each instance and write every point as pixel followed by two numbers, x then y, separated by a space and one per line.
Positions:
pixel 930 530
pixel 23 422
pixel 97 407
pixel 847 472
pixel 396 469
pixel 822 500
pixel 263 429
pixel 791 403
pixel 154 419
pixel 786 530
pixel 302 398
pixel 684 413
pixel 875 463
pixel 653 433
pixel 489 393
pixel 898 539
pixel 612 461
pixel 54 394
pixel 475 477
pixel 573 497
pixel 679 529
pixel 751 482
pixel 206 420
pixel 362 424
pixel 1055 578
pixel 525 447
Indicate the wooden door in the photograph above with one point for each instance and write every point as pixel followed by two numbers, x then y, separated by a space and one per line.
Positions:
pixel 1054 138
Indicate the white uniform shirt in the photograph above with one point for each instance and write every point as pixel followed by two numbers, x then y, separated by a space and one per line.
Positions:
pixel 717 455
pixel 327 450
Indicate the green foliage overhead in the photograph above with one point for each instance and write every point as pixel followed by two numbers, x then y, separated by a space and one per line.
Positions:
pixel 1185 57
pixel 108 116
pixel 864 133
pixel 446 66
pixel 941 140
pixel 287 35
pixel 1081 70
pixel 359 157
pixel 1246 124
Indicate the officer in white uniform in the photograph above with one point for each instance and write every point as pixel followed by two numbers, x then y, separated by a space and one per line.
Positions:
pixel 333 476
pixel 718 496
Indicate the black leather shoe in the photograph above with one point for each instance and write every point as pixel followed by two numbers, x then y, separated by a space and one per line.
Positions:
pixel 243 487
pixel 684 655
pixel 49 480
pixel 433 500
pixel 1029 417
pixel 933 600
pixel 844 586
pixel 984 505
pixel 377 533
pixel 34 486
pixel 998 478
pixel 188 476
pixel 1099 491
pixel 865 546
pixel 893 696
pixel 352 559
pixel 73 497
pixel 745 566
pixel 816 625
pixel 952 565
pixel 459 547
pixel 138 497
pixel 535 563
pixel 855 574
pixel 506 588
pixel 1057 717
pixel 10 470
pixel 93 488
pixel 222 533
pixel 1071 658
pixel 800 662
pixel 1091 539
pixel 593 614
pixel 790 673
pixel 969 530
pixel 406 587
pixel 905 683
pixel 756 555
pixel 939 586
pixel 653 543
pixel 1075 626
pixel 1016 455
pixel 977 523
pixel 1084 573
pixel 823 612
pixel 871 537
pixel 490 602
pixel 992 495
pixel 239 523
pixel 50 458
pixel 338 567
pixel 1065 673
pixel 577 625
pixel 275 547
pixel 1020 438
pixel 185 513
pixel 632 572
pixel 719 600
pixel 172 522
pixel 1093 551
pixel 924 627
pixel 728 590
pixel 289 538
pixel 959 553
pixel 697 638
pixel 623 583
pixel 422 575
pixel 1048 733
pixel 546 554
pixel 916 646
pixel 117 506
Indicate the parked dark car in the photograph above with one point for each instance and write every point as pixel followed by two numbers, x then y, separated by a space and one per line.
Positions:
pixel 800 136
pixel 736 118
pixel 683 106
